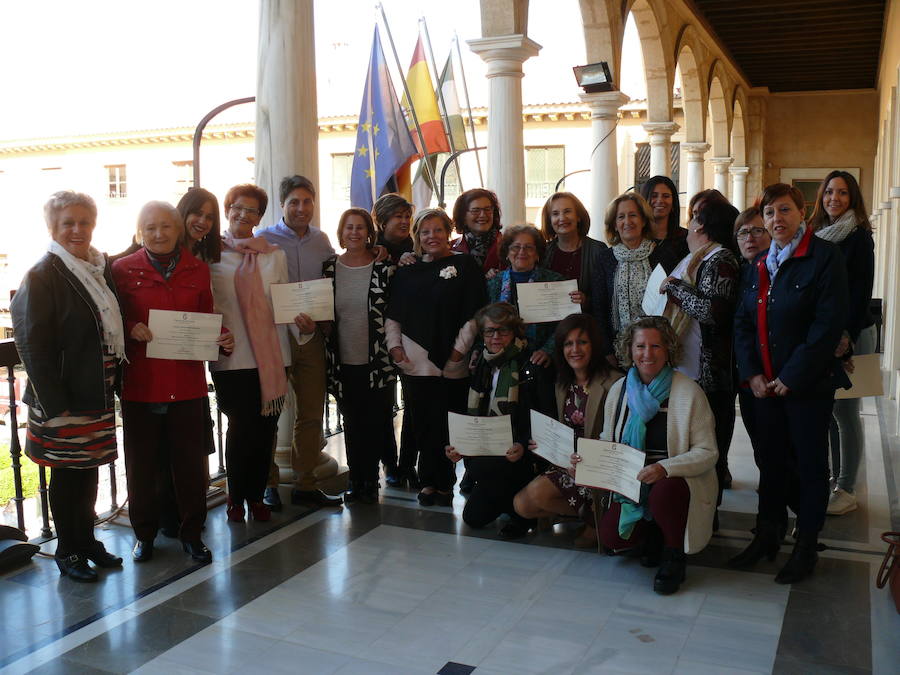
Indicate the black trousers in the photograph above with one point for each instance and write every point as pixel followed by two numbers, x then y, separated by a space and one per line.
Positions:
pixel 250 439
pixel 792 448
pixel 180 429
pixel 409 453
pixel 428 399
pixel 389 446
pixel 496 482
pixel 722 405
pixel 72 495
pixel 366 411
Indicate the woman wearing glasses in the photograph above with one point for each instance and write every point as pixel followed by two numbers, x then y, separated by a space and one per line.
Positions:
pixel 251 382
pixel 476 216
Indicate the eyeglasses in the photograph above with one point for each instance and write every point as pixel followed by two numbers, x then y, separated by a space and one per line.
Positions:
pixel 502 332
pixel 481 211
pixel 743 234
pixel 249 210
pixel 517 248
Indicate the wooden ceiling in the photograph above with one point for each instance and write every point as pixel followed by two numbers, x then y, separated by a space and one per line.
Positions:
pixel 800 45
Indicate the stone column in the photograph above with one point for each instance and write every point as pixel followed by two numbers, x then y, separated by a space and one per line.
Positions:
pixel 721 164
pixel 287 126
pixel 693 153
pixel 504 56
pixel 659 135
pixel 604 108
pixel 739 186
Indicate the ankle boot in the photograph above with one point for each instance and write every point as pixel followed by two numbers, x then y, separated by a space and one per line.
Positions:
pixel 765 544
pixel 651 551
pixel 671 571
pixel 802 561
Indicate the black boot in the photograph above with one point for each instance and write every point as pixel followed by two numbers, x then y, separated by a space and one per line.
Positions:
pixel 802 561
pixel 765 544
pixel 671 571
pixel 651 551
pixel 368 494
pixel 354 491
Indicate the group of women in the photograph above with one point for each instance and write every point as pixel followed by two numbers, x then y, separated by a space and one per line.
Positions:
pixel 774 328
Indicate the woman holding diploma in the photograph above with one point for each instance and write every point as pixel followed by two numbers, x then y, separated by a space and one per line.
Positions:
pixel 69 334
pixel 618 285
pixel 162 399
pixel 359 366
pixel 791 312
pixel 500 385
pixel 251 382
pixel 430 302
pixel 664 414
pixel 583 378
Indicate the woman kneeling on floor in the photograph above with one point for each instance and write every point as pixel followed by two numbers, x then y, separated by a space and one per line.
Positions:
pixel 583 378
pixel 500 385
pixel 665 414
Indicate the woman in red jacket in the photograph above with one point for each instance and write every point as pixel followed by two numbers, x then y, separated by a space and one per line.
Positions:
pixel 162 400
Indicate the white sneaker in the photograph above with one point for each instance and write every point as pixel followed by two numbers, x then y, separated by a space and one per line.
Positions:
pixel 841 502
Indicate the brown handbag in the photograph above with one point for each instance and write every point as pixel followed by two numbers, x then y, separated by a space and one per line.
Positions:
pixel 889 573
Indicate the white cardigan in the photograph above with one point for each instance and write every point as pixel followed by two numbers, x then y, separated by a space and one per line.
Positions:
pixel 272 270
pixel 691 437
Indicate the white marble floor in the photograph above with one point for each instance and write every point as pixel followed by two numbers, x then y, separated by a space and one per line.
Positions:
pixel 398 600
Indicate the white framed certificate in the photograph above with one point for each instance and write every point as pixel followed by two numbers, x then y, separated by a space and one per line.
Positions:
pixel 555 441
pixel 654 302
pixel 610 466
pixel 542 301
pixel 474 436
pixel 184 336
pixel 314 298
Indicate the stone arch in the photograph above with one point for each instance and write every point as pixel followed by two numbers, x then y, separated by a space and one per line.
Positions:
pixel 603 30
pixel 659 66
pixel 694 91
pixel 719 110
pixel 739 128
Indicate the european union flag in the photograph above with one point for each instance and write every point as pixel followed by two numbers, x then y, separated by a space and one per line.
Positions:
pixel 383 142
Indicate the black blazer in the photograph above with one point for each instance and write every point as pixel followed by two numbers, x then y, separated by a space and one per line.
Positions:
pixel 807 307
pixel 59 336
pixel 859 255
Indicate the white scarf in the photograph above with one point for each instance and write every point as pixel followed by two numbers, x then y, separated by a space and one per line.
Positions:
pixel 839 229
pixel 632 274
pixel 777 254
pixel 90 274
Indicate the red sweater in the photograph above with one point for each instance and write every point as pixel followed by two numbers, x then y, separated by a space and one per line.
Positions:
pixel 142 288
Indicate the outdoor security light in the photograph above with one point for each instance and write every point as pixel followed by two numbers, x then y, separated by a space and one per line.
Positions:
pixel 594 77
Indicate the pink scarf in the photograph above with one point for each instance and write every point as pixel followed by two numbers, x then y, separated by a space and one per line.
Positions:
pixel 259 321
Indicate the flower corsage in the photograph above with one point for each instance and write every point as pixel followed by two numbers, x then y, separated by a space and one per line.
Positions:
pixel 449 272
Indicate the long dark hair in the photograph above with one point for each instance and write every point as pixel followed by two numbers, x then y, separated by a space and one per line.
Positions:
pixel 647 189
pixel 208 249
pixel 598 364
pixel 819 217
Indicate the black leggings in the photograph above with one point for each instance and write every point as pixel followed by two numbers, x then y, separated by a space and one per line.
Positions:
pixel 73 493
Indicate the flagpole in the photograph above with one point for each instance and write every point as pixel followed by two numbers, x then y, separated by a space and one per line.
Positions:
pixel 445 119
pixel 462 71
pixel 412 108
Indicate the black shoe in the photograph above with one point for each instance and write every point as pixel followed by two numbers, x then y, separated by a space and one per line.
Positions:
pixel 198 551
pixel 426 498
pixel 76 568
pixel 466 484
pixel 671 571
pixel 272 499
pixel 394 478
pixel 514 529
pixel 353 493
pixel 169 531
pixel 401 477
pixel 802 561
pixel 316 497
pixel 443 498
pixel 98 555
pixel 651 551
pixel 142 551
pixel 369 493
pixel 765 544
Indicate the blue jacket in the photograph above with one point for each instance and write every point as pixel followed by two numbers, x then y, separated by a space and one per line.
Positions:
pixel 791 331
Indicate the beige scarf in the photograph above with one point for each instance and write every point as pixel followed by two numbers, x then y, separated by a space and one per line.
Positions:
pixel 676 316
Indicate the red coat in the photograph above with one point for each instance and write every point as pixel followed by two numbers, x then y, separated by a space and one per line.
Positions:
pixel 142 288
pixel 491 260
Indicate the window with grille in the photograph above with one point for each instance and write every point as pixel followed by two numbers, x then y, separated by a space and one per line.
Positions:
pixel 642 163
pixel 117 184
pixel 184 177
pixel 341 166
pixel 452 187
pixel 544 166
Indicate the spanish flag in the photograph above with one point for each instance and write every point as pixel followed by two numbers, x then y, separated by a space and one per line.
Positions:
pixel 418 80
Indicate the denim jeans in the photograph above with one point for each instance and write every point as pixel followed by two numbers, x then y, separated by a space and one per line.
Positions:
pixel 846 433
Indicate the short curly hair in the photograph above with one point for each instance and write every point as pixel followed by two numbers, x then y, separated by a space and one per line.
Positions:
pixel 658 323
pixel 513 231
pixel 503 314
